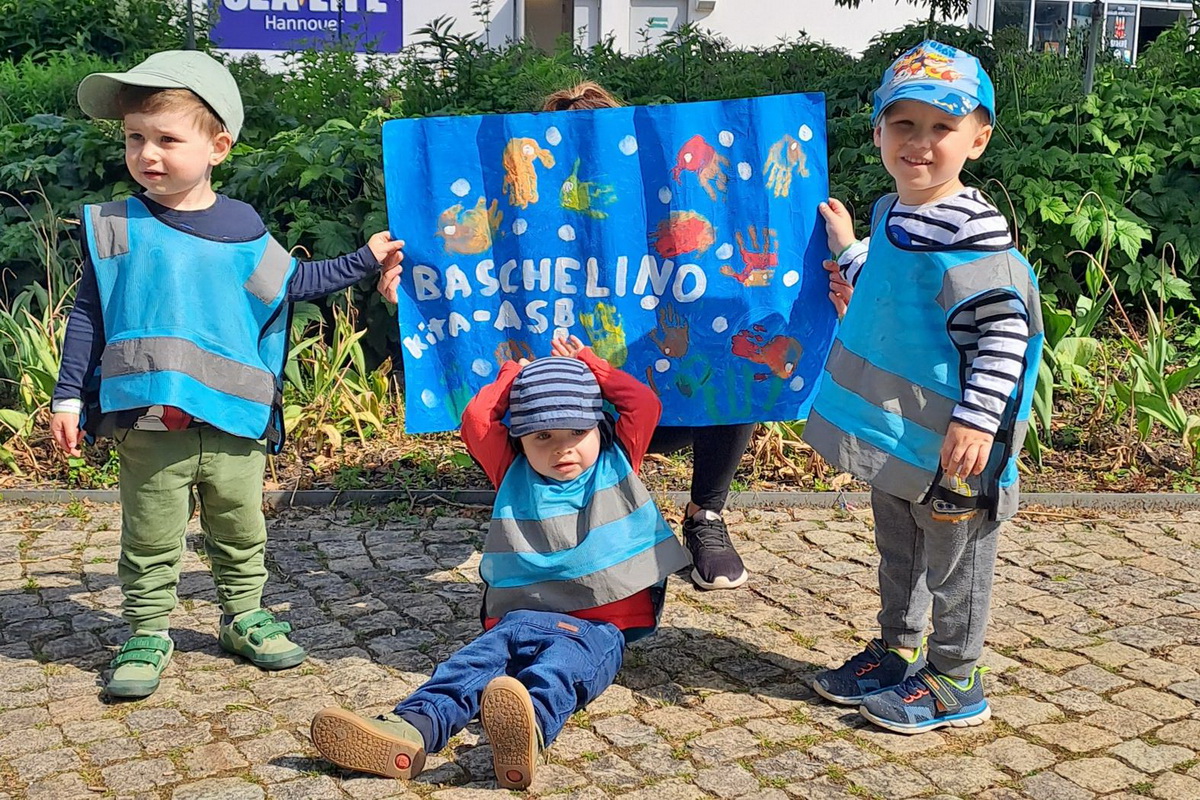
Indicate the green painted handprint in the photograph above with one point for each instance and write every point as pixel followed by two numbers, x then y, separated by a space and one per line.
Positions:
pixel 603 327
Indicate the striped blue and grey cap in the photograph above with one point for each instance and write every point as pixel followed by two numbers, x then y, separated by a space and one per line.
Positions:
pixel 554 393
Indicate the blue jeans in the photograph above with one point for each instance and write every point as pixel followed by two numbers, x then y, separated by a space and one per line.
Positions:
pixel 565 663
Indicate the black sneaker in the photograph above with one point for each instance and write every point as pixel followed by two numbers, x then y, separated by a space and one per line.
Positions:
pixel 716 564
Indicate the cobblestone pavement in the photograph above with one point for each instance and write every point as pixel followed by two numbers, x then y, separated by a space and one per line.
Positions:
pixel 1094 647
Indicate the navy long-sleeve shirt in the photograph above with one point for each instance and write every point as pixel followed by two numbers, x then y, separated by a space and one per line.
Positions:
pixel 227 220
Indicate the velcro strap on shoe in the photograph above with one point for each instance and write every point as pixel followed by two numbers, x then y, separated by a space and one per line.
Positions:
pixel 263 632
pixel 142 650
pixel 938 689
pixel 252 620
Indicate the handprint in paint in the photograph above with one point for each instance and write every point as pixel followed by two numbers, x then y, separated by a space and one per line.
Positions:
pixel 700 157
pixel 604 330
pixel 520 175
pixel 784 157
pixel 781 354
pixel 671 335
pixel 758 262
pixel 513 350
pixel 469 232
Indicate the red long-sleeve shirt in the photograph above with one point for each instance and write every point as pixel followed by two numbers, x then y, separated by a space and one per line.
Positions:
pixel 487 439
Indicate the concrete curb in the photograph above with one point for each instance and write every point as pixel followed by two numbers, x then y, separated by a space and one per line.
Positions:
pixel 474 497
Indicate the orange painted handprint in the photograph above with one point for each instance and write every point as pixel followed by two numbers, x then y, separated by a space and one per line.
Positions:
pixel 520 176
pixel 758 263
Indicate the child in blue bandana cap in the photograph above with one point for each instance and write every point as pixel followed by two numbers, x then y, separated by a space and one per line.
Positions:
pixel 928 391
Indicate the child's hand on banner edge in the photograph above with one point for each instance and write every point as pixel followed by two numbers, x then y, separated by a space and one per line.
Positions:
pixel 839 225
pixel 567 348
pixel 840 289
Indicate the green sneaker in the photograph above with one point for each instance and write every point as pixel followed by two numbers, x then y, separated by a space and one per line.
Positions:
pixel 137 668
pixel 387 745
pixel 257 637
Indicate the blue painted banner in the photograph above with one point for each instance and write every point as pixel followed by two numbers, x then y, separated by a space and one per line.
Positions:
pixel 368 25
pixel 682 242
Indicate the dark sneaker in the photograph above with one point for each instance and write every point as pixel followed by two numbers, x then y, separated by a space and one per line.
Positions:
pixel 506 713
pixel 929 700
pixel 387 745
pixel 715 562
pixel 876 668
pixel 139 665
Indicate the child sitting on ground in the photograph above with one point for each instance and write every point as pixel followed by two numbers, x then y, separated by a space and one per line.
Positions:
pixel 574 566
pixel 927 392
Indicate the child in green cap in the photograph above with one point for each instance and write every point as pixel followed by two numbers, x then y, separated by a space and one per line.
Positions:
pixel 176 347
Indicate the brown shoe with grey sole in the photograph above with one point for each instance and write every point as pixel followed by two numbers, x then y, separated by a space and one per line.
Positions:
pixel 507 716
pixel 384 746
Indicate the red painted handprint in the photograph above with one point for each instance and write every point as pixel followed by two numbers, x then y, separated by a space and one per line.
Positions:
pixel 758 264
pixel 781 354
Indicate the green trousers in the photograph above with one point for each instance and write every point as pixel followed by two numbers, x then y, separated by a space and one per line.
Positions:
pixel 158 472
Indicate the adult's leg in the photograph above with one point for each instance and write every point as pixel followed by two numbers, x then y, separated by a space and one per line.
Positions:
pixel 716 452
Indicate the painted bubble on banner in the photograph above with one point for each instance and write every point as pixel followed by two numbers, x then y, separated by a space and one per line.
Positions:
pixel 686 265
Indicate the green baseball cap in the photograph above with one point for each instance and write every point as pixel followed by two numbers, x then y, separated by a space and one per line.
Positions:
pixel 171 69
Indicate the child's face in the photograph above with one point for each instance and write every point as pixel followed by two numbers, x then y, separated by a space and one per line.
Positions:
pixel 924 149
pixel 562 454
pixel 172 158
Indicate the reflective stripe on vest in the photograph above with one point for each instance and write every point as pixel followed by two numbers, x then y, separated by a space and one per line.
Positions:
pixel 894 375
pixel 176 335
pixel 565 546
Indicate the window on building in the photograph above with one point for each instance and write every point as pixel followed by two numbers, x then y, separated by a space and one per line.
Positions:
pixel 1050 26
pixel 1120 30
pixel 1010 14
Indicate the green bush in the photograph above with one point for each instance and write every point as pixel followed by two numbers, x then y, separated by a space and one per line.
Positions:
pixel 111 29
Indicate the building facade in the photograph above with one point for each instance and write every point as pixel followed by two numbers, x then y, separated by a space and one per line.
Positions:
pixel 1054 25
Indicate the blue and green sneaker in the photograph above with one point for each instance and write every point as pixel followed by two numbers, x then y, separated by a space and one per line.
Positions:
pixel 929 700
pixel 875 668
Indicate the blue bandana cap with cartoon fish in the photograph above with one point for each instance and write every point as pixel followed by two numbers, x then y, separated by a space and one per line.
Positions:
pixel 940 75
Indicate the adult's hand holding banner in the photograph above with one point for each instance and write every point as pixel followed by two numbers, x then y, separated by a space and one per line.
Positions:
pixel 682 242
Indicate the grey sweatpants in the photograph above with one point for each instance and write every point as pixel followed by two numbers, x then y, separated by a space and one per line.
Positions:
pixel 951 564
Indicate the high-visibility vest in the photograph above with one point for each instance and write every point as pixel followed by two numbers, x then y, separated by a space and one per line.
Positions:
pixel 190 322
pixel 894 375
pixel 568 545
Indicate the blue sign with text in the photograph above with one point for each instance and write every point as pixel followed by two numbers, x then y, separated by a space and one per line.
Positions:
pixel 368 25
pixel 682 242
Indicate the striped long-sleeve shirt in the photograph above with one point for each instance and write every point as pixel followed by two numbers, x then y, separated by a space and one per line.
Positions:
pixel 993 332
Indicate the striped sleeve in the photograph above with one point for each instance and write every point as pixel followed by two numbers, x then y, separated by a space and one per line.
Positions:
pixel 993 335
pixel 852 259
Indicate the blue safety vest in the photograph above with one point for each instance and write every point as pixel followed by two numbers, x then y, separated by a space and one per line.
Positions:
pixel 568 545
pixel 190 322
pixel 894 375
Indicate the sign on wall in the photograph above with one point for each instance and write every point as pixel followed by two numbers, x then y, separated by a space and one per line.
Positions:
pixel 374 25
pixel 682 242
